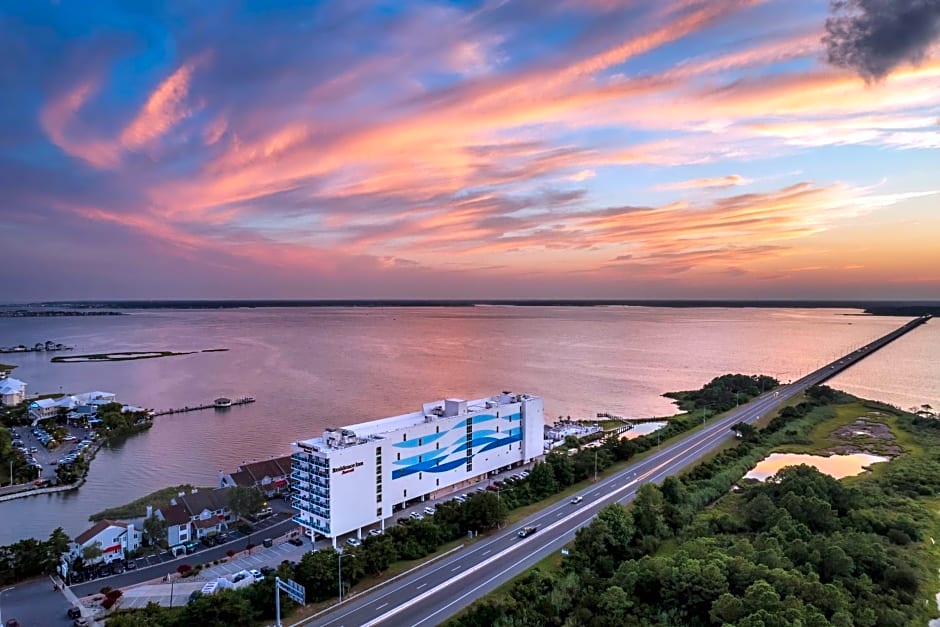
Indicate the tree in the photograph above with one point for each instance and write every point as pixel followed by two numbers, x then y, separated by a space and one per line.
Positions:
pixel 542 480
pixel 92 553
pixel 155 530
pixel 244 501
pixel 648 518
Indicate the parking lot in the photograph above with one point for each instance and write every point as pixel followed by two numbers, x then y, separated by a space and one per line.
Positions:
pixel 261 557
pixel 164 594
pixel 43 458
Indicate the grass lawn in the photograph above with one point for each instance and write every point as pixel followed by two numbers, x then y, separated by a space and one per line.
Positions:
pixel 138 507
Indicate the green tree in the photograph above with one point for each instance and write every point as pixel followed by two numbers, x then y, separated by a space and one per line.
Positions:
pixel 377 554
pixel 92 553
pixel 245 501
pixel 227 607
pixel 542 480
pixel 648 518
pixel 155 530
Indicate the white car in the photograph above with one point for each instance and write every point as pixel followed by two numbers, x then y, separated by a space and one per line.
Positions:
pixel 256 574
pixel 460 498
pixel 416 516
pixel 577 500
pixel 375 532
pixel 353 542
pixel 430 511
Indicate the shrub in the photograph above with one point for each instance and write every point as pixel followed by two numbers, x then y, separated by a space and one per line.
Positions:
pixel 108 603
pixel 230 553
pixel 183 569
pixel 113 594
pixel 106 590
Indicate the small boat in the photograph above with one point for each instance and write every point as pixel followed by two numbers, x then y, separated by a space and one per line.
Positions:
pixel 222 402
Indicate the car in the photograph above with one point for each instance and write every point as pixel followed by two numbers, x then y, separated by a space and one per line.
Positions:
pixel 131 565
pixel 525 532
pixel 239 576
pixel 104 571
pixel 222 538
pixel 297 541
pixel 430 511
pixel 577 500
pixel 81 622
pixel 118 569
pixel 12 622
pixel 74 612
pixel 375 532
pixel 256 574
pixel 53 462
pixel 353 542
pixel 190 548
pixel 267 511
pixel 460 498
pixel 267 570
pixel 76 577
pixel 479 489
pixel 416 516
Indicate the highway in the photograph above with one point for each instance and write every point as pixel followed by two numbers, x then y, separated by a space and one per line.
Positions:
pixel 437 592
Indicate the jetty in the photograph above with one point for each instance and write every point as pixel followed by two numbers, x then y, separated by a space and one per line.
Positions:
pixel 38 347
pixel 213 405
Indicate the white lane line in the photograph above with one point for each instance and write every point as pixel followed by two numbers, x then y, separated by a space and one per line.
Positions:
pixel 454 570
pixel 421 586
pixel 559 515
pixel 381 606
pixel 487 552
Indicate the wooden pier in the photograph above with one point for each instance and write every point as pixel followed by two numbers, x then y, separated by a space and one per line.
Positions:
pixel 182 410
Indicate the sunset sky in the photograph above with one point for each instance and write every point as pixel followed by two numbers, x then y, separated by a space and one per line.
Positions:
pixel 491 149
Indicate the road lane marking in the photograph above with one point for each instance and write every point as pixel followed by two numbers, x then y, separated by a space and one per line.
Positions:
pixel 381 606
pixel 560 514
pixel 454 570
pixel 421 586
pixel 487 552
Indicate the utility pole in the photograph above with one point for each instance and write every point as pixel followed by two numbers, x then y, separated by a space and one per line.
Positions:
pixel 595 464
pixel 340 573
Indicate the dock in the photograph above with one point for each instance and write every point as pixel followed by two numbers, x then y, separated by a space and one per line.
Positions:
pixel 182 410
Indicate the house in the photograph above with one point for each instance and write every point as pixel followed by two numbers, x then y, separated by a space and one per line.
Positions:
pixel 12 391
pixel 87 403
pixel 269 476
pixel 201 513
pixel 116 539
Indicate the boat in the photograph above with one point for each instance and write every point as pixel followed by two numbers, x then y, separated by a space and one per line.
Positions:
pixel 222 402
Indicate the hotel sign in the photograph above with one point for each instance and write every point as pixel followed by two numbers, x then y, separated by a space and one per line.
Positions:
pixel 348 468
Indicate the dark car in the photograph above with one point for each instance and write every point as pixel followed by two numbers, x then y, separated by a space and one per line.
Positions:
pixel 208 541
pixel 297 541
pixel 74 612
pixel 104 571
pixel 190 548
pixel 117 569
pixel 266 570
pixel 131 565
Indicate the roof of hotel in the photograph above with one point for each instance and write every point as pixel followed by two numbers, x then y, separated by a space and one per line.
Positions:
pixel 376 428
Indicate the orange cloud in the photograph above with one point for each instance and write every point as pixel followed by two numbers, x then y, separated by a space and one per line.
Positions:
pixel 721 182
pixel 164 108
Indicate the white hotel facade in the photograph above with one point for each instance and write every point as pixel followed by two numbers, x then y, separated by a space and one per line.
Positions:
pixel 357 476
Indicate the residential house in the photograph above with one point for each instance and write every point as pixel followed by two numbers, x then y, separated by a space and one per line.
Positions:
pixel 201 513
pixel 12 391
pixel 269 476
pixel 115 538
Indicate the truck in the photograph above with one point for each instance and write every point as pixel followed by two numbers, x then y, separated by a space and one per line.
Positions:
pixel 525 532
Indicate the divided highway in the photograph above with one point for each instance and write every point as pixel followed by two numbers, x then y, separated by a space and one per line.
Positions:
pixel 433 594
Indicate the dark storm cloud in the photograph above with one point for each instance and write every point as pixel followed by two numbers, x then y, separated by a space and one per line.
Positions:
pixel 875 36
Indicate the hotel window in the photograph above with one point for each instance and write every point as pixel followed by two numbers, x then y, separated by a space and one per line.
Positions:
pixel 437 482
pixel 404 493
pixel 420 474
pixel 437 446
pixel 378 511
pixel 399 457
pixel 437 429
pixel 420 442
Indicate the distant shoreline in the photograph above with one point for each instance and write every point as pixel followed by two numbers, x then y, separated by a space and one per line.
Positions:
pixel 94 308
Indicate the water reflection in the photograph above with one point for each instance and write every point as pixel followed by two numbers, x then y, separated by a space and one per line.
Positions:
pixel 644 428
pixel 837 466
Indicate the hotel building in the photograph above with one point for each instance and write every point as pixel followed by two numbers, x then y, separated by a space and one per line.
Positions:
pixel 358 475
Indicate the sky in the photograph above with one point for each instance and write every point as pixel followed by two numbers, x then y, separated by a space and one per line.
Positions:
pixel 596 149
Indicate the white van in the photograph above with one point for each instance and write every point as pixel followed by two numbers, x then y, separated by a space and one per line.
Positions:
pixel 179 549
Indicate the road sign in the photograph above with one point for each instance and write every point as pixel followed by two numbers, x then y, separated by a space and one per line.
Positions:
pixel 294 590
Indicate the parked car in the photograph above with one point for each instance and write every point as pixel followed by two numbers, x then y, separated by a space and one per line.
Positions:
pixel 117 569
pixel 267 570
pixel 460 498
pixel 416 516
pixel 375 532
pixel 104 570
pixel 131 565
pixel 208 541
pixel 353 542
pixel 74 612
pixel 297 541
pixel 430 511
pixel 256 574
pixel 189 548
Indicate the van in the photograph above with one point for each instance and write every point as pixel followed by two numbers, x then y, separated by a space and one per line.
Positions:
pixel 267 511
pixel 178 550
pixel 268 543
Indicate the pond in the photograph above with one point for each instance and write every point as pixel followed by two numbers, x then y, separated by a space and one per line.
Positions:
pixel 837 466
pixel 643 428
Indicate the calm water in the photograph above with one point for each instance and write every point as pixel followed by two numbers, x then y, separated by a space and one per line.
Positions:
pixel 320 367
pixel 837 466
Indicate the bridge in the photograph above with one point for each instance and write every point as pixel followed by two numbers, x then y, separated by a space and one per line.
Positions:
pixel 437 592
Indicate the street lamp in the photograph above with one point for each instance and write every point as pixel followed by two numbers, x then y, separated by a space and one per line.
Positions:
pixel 595 464
pixel 340 573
